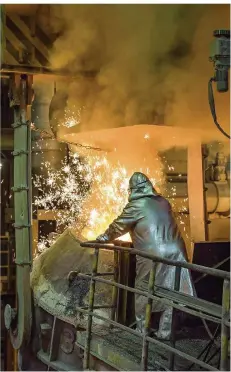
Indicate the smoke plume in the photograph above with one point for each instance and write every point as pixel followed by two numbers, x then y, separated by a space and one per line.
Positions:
pixel 150 63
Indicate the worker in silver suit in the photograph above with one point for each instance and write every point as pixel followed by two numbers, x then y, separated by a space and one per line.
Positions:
pixel 149 219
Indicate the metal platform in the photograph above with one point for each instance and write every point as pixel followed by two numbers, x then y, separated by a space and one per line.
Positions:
pixel 122 350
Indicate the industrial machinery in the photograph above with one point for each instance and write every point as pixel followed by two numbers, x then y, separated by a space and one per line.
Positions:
pixel 55 327
pixel 220 56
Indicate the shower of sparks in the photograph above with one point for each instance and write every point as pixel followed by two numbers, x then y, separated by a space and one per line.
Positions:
pixel 72 118
pixel 88 194
pixel 62 190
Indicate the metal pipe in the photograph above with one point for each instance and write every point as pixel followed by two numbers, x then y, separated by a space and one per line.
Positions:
pixel 205 203
pixel 115 289
pixel 173 335
pixel 52 342
pixel 214 267
pixel 224 329
pixel 218 197
pixel 151 284
pixel 86 360
pixel 21 335
pixel 96 307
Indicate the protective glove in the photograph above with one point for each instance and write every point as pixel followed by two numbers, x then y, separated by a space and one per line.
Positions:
pixel 103 238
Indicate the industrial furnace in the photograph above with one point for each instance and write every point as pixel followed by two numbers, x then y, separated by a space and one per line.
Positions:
pixel 63 184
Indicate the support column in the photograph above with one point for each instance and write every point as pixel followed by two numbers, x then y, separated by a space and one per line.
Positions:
pixel 196 193
pixel 20 99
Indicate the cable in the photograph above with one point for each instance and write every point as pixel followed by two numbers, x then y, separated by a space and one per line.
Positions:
pixel 50 136
pixel 213 108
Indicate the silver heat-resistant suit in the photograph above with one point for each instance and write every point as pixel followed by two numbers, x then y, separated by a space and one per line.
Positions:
pixel 149 219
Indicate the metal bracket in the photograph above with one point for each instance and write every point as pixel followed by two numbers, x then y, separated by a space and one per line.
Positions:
pixel 19 152
pixel 20 124
pixel 20 188
pixel 23 263
pixel 16 226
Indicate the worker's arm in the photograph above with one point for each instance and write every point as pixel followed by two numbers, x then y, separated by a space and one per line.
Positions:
pixel 121 225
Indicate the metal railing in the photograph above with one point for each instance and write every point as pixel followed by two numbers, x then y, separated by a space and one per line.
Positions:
pixel 191 305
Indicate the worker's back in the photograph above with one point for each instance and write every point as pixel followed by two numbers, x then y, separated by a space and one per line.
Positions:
pixel 156 229
pixel 149 219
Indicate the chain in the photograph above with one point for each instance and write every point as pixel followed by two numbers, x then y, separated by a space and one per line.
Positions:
pixel 46 134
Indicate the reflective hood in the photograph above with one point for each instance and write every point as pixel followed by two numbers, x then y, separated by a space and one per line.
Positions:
pixel 140 186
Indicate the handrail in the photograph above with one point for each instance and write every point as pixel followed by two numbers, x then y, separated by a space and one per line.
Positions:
pixel 151 295
pixel 165 301
pixel 199 268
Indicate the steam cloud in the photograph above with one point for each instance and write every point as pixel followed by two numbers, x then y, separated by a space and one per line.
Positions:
pixel 151 62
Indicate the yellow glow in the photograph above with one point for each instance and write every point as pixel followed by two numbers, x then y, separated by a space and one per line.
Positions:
pixel 91 214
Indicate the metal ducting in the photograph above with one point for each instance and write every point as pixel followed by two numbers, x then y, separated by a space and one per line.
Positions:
pixel 45 148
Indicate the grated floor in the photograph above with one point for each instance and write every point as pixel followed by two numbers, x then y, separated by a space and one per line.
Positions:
pixel 127 347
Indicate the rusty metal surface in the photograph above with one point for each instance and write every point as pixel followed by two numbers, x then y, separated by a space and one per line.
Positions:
pixel 51 288
pixel 147 326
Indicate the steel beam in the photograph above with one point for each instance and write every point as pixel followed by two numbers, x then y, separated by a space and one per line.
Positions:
pixel 196 194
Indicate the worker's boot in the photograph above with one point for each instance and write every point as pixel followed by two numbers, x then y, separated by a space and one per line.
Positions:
pixel 165 325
